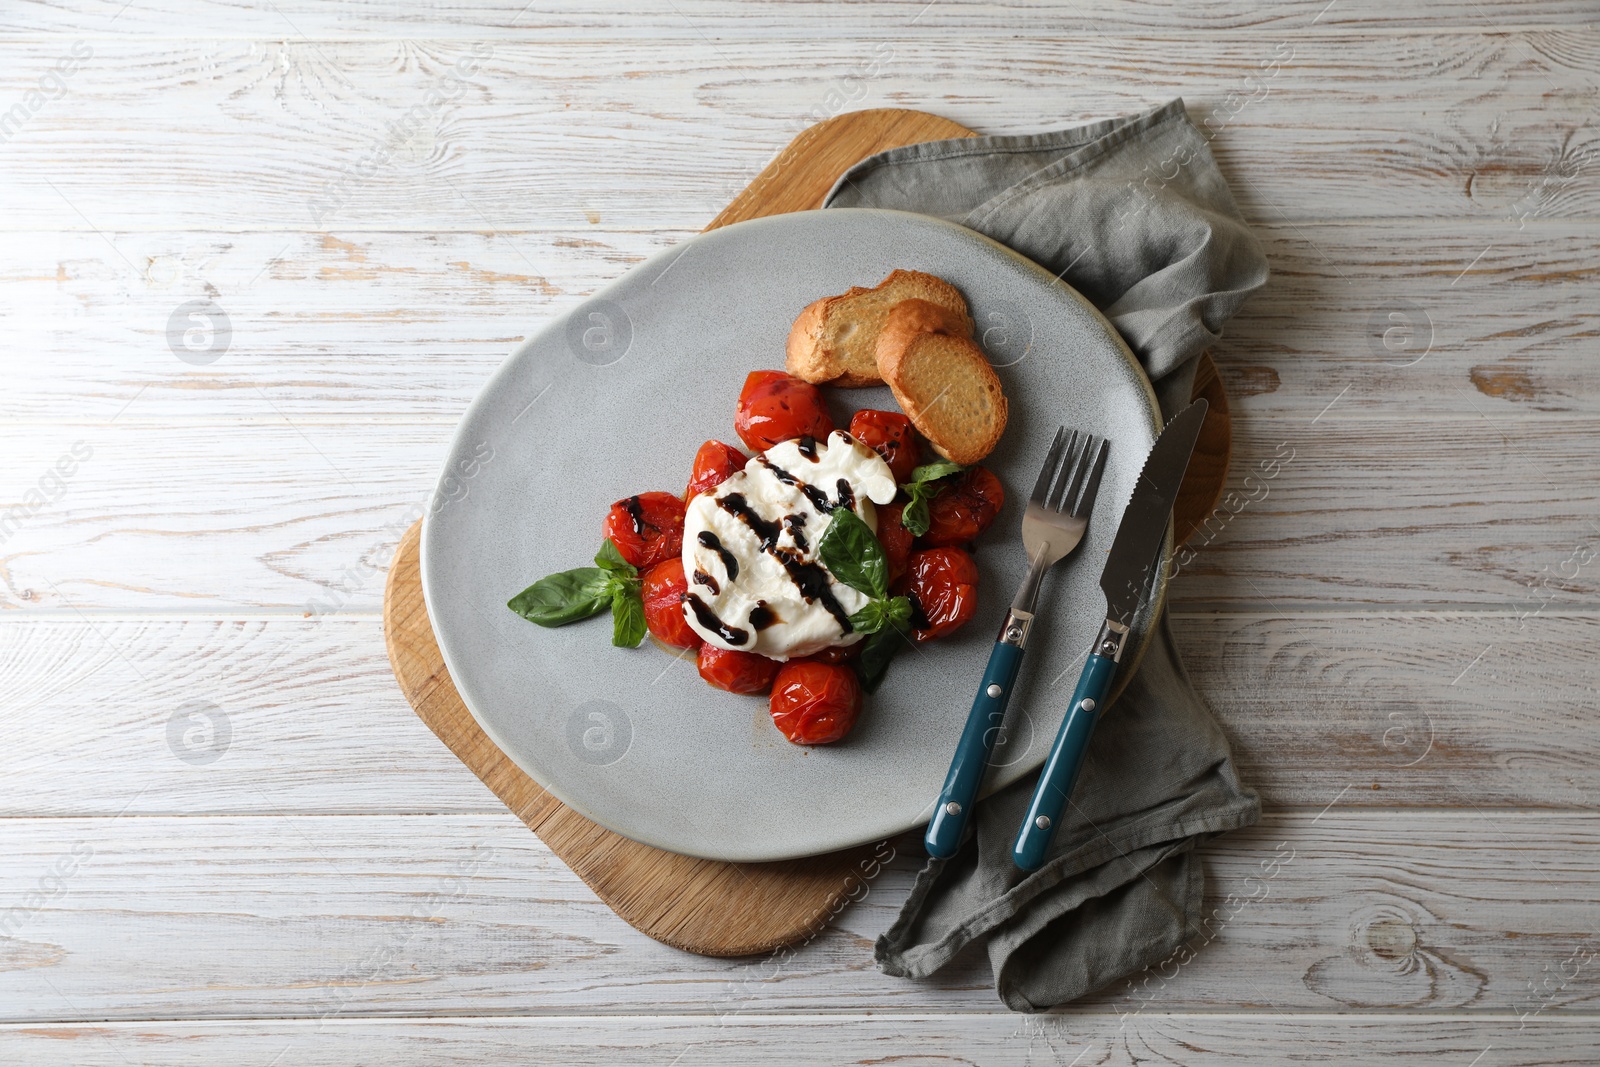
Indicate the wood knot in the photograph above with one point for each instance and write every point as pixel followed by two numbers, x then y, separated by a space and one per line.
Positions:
pixel 1392 938
pixel 1387 964
pixel 1504 381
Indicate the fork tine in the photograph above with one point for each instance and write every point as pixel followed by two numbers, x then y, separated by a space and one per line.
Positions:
pixel 1080 470
pixel 1051 459
pixel 1085 502
pixel 1074 452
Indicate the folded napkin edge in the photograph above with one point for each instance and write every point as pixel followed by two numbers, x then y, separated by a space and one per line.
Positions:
pixel 1106 133
pixel 921 961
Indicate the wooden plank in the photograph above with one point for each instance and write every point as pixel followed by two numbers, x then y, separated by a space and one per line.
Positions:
pixel 299 515
pixel 1406 513
pixel 1405 709
pixel 1470 709
pixel 1242 1039
pixel 728 19
pixel 254 716
pixel 1492 318
pixel 289 132
pixel 393 324
pixel 318 523
pixel 144 918
pixel 361 324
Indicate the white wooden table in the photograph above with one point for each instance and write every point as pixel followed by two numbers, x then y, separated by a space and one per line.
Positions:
pixel 227 840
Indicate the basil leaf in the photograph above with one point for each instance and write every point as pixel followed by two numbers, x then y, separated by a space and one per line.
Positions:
pixel 932 472
pixel 870 619
pixel 627 616
pixel 876 652
pixel 608 558
pixel 564 597
pixel 850 550
pixel 923 487
pixel 914 516
pixel 898 612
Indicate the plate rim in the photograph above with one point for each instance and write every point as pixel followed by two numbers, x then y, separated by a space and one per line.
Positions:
pixel 890 828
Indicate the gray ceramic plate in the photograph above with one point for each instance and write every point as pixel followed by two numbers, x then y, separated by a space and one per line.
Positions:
pixel 614 397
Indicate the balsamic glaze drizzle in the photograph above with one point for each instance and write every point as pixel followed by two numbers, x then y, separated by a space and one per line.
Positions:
pixel 702 578
pixel 815 584
pixel 730 562
pixel 766 532
pixel 708 618
pixel 795 524
pixel 818 498
pixel 636 513
pixel 762 616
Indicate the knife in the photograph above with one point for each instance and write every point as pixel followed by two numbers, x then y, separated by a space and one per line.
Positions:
pixel 1134 556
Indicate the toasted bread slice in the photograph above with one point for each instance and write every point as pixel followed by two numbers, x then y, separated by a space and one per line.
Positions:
pixel 835 339
pixel 944 384
pixel 911 317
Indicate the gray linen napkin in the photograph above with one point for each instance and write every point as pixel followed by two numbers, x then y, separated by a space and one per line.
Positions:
pixel 1134 214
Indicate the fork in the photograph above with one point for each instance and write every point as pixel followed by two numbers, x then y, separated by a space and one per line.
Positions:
pixel 1053 525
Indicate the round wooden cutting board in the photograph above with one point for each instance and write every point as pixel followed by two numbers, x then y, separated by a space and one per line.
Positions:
pixel 705 906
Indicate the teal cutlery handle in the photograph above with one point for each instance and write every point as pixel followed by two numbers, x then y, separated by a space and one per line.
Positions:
pixel 1060 772
pixel 972 754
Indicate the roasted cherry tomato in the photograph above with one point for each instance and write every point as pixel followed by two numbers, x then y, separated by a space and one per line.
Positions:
pixel 664 586
pixel 647 529
pixel 964 508
pixel 943 591
pixel 774 407
pixel 737 672
pixel 815 703
pixel 888 433
pixel 895 539
pixel 714 464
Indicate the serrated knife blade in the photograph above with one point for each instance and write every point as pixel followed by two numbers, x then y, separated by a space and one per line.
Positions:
pixel 1144 520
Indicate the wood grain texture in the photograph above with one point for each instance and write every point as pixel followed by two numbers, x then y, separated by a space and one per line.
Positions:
pixel 1440 914
pixel 721 20
pixel 1359 1040
pixel 356 325
pixel 1410 709
pixel 662 133
pixel 1240 1039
